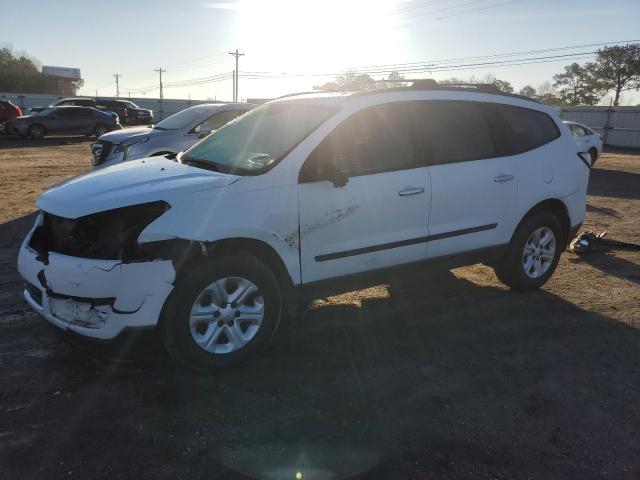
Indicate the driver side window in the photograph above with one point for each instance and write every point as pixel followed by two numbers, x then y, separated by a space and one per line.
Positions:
pixel 374 140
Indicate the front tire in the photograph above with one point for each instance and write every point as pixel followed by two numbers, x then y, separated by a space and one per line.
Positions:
pixel 593 153
pixel 222 313
pixel 533 253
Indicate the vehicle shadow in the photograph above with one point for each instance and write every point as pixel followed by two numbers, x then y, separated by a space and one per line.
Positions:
pixel 611 264
pixel 431 376
pixel 614 183
pixel 610 212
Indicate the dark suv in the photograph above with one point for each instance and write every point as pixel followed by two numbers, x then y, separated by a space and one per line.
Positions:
pixel 137 115
pixel 64 121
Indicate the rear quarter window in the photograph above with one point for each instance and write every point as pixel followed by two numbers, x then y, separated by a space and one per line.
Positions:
pixel 517 130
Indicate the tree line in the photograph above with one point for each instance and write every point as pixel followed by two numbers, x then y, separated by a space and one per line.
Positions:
pixel 616 69
pixel 20 73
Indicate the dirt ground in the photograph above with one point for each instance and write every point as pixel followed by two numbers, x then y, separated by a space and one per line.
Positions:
pixel 438 375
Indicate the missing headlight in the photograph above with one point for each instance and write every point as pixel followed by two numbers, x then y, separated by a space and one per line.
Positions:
pixel 110 235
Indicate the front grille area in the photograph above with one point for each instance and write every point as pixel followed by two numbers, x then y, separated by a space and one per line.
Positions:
pixel 100 151
pixel 109 235
pixel 78 238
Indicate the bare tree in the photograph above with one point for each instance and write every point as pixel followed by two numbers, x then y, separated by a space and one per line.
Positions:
pixel 617 68
pixel 528 91
pixel 488 78
pixel 547 94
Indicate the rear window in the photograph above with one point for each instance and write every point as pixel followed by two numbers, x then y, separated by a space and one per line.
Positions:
pixel 517 130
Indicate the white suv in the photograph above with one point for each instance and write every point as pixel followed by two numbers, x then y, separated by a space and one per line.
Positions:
pixel 213 248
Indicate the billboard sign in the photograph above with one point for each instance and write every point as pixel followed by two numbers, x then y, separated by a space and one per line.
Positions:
pixel 62 72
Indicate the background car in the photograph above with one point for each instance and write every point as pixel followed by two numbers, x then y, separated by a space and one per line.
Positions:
pixel 64 121
pixel 114 106
pixel 587 139
pixel 8 111
pixel 172 135
pixel 135 114
pixel 68 102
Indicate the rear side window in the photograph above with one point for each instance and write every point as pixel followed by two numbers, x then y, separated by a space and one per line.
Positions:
pixel 454 131
pixel 517 130
pixel 376 139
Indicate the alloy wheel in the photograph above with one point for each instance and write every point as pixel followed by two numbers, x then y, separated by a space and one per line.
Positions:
pixel 37 131
pixel 226 315
pixel 539 252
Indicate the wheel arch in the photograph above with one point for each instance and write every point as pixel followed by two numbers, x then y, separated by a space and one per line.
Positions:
pixel 558 208
pixel 184 256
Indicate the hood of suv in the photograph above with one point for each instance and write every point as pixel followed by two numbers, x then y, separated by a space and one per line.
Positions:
pixel 130 134
pixel 129 183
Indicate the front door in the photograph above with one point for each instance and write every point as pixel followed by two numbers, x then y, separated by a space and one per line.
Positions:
pixel 379 217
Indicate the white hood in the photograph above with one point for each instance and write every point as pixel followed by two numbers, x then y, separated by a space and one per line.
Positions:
pixel 129 183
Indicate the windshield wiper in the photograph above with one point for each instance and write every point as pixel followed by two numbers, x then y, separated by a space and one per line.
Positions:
pixel 198 162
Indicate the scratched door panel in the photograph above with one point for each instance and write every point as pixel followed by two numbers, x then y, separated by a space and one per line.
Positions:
pixel 340 226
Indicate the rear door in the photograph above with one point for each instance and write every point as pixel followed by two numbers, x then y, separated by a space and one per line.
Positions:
pixel 473 189
pixel 71 120
pixel 379 217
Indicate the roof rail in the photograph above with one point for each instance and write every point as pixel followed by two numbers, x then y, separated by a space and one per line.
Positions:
pixel 430 84
pixel 299 93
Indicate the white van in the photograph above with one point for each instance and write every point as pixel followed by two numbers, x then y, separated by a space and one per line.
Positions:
pixel 213 247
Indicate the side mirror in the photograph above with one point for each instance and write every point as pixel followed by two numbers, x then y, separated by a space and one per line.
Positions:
pixel 204 133
pixel 336 175
pixel 321 166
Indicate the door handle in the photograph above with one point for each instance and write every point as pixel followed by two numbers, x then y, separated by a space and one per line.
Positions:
pixel 503 177
pixel 411 191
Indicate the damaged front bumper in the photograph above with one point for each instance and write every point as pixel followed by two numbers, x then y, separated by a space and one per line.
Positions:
pixel 95 298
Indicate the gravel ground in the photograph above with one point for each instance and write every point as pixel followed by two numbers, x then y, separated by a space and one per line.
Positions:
pixel 436 375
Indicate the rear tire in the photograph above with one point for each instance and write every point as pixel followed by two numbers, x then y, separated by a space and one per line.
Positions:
pixel 533 253
pixel 593 153
pixel 37 131
pixel 203 328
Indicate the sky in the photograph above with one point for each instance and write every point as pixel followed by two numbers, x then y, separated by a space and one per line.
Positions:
pixel 303 43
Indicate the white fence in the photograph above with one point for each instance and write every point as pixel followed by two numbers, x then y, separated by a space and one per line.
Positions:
pixel 161 109
pixel 619 126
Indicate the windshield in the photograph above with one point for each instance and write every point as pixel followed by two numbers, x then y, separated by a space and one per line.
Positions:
pixel 184 118
pixel 258 139
pixel 130 104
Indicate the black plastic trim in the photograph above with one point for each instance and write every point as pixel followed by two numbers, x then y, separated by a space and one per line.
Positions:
pixel 583 160
pixel 403 243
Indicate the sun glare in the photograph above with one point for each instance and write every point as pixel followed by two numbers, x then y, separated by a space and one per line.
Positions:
pixel 328 35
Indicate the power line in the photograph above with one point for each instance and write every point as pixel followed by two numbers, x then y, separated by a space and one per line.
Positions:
pixel 451 7
pixel 428 65
pixel 443 17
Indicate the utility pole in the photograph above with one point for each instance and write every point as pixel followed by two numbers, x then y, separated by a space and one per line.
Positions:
pixel 117 75
pixel 160 71
pixel 235 76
